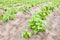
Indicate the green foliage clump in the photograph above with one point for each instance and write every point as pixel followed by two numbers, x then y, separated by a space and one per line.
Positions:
pixel 26 34
pixel 37 21
pixel 37 24
pixel 8 15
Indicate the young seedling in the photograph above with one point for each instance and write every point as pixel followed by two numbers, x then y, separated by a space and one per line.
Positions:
pixel 5 17
pixel 8 15
pixel 26 34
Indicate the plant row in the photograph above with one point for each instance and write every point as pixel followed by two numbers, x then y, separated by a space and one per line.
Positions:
pixel 38 21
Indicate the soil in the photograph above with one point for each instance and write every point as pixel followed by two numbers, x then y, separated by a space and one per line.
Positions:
pixel 12 29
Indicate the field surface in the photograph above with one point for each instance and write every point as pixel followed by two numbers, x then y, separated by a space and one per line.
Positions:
pixel 15 16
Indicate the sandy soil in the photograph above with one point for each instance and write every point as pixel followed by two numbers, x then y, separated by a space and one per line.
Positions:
pixel 12 29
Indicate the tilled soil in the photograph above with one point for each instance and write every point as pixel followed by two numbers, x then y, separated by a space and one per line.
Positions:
pixel 12 29
pixel 54 22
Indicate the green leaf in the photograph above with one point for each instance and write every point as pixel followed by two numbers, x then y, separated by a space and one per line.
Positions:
pixel 36 31
pixel 26 34
pixel 11 17
pixel 5 17
pixel 41 30
pixel 39 27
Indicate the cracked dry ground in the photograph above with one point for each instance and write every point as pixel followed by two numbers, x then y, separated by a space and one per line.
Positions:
pixel 12 29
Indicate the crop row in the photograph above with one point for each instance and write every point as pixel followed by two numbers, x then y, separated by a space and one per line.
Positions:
pixel 38 20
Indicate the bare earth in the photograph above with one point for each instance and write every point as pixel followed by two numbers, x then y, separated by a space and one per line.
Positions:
pixel 12 29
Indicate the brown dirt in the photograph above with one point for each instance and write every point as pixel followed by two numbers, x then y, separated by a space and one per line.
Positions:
pixel 54 21
pixel 12 29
